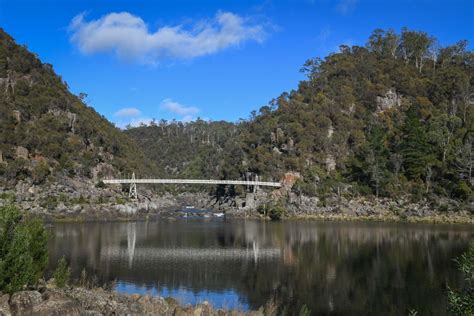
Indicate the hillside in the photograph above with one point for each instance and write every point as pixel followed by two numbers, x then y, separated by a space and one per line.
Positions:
pixel 190 150
pixel 391 119
pixel 47 133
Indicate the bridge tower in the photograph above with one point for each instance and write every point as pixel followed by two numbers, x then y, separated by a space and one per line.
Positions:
pixel 133 188
pixel 255 187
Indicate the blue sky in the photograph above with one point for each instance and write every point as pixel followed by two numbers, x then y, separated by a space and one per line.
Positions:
pixel 179 59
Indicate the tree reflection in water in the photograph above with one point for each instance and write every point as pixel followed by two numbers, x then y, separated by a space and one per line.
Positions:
pixel 338 268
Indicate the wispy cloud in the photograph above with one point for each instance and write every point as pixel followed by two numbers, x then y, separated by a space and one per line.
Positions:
pixel 176 108
pixel 346 6
pixel 127 36
pixel 127 112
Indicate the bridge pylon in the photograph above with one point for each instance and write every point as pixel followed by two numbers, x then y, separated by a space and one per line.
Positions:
pixel 133 188
pixel 255 187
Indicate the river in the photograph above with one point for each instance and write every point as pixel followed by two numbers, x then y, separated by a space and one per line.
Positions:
pixel 340 268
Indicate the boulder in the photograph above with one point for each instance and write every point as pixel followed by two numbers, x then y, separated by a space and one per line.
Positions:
pixel 4 306
pixel 289 179
pixel 22 303
pixel 17 115
pixel 57 303
pixel 389 100
pixel 330 163
pixel 21 152
pixel 102 170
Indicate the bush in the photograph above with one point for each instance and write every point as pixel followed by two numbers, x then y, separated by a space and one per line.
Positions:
pixel 463 191
pixel 462 302
pixel 277 212
pixel 23 250
pixel 100 184
pixel 305 311
pixel 274 211
pixel 62 273
pixel 40 172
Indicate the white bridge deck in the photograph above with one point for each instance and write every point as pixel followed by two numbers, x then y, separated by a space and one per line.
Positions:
pixel 191 181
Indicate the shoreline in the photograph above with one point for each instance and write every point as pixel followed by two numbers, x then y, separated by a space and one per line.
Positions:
pixel 427 219
pixel 78 300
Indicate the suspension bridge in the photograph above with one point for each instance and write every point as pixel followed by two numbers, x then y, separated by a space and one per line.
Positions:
pixel 134 181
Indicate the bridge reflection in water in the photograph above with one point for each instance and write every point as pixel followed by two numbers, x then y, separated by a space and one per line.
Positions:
pixel 338 268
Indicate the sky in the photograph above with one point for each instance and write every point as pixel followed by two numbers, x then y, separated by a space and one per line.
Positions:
pixel 139 60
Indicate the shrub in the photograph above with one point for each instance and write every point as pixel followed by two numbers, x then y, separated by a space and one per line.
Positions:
pixel 23 250
pixel 62 273
pixel 277 212
pixel 9 197
pixel 305 311
pixel 274 210
pixel 462 302
pixel 462 190
pixel 100 184
pixel 40 172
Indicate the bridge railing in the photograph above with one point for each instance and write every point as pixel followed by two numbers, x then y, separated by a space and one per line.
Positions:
pixel 191 181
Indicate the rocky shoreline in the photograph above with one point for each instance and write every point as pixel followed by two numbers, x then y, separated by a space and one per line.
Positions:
pixel 46 301
pixel 85 200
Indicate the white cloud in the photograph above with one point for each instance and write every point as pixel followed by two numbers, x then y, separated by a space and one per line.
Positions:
pixel 127 112
pixel 174 107
pixel 128 36
pixel 346 6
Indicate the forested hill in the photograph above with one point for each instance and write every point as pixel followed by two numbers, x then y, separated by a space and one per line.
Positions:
pixel 46 132
pixel 393 117
pixel 187 150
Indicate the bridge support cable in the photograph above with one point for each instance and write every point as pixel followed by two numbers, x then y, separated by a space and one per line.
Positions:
pixel 133 181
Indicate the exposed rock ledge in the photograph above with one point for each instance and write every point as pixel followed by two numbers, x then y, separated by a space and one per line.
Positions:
pixel 82 199
pixel 81 301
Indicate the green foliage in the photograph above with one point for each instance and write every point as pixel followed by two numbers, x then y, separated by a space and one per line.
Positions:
pixel 462 302
pixel 23 250
pixel 412 312
pixel 188 150
pixel 463 191
pixel 49 202
pixel 40 172
pixel 62 273
pixel 415 149
pixel 275 211
pixel 100 184
pixel 305 311
pixel 54 125
pixel 394 117
pixel 389 117
pixel 8 197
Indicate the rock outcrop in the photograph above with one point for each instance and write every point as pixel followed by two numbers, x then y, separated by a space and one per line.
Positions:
pixel 389 100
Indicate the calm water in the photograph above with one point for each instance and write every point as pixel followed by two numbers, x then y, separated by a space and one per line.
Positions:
pixel 332 267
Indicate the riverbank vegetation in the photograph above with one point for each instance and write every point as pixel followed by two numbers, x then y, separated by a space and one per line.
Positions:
pixel 461 302
pixel 23 250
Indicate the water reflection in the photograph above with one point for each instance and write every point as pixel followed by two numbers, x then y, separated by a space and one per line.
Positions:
pixel 131 239
pixel 339 268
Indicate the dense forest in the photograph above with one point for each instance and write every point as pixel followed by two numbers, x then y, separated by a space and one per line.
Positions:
pixel 393 117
